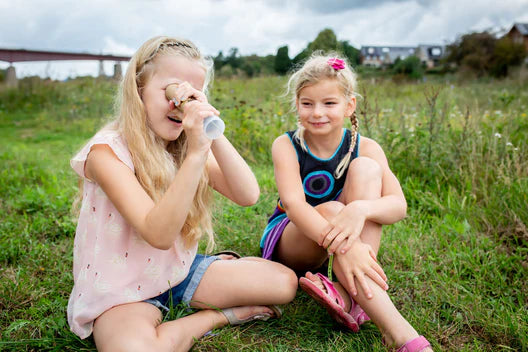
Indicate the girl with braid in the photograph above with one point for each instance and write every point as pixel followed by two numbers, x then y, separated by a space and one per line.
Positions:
pixel 336 190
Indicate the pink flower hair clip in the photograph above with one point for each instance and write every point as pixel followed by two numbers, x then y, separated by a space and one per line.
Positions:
pixel 337 64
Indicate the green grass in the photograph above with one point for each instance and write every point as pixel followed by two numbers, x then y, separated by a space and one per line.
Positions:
pixel 457 265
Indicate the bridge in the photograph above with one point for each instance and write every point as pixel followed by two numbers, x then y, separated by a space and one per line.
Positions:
pixel 22 55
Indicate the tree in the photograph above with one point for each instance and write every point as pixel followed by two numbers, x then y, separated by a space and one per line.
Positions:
pixel 482 54
pixel 282 61
pixel 410 66
pixel 233 59
pixel 300 57
pixel 351 53
pixel 326 40
pixel 506 54
pixel 219 60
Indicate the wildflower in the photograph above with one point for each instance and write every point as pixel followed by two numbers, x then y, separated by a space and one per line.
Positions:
pixel 509 144
pixel 498 135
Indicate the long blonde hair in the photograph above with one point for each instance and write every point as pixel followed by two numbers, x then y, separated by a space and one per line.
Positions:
pixel 156 163
pixel 315 69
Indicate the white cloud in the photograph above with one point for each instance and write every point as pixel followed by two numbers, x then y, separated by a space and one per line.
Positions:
pixel 253 26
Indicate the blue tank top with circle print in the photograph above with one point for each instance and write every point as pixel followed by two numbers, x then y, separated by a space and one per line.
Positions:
pixel 318 175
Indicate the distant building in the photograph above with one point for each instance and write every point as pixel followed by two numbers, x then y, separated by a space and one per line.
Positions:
pixel 519 34
pixel 430 55
pixel 378 56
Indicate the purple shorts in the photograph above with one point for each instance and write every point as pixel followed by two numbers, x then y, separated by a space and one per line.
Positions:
pixel 272 234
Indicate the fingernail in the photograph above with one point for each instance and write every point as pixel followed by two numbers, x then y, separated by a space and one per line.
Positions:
pixel 342 251
pixel 369 295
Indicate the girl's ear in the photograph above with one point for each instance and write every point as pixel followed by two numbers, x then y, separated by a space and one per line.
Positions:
pixel 351 106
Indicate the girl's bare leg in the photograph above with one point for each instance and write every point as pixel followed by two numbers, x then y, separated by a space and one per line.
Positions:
pixel 395 329
pixel 249 284
pixel 299 252
pixel 138 327
pixel 364 182
pixel 245 282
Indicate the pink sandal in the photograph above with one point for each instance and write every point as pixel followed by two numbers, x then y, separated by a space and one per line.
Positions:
pixel 334 303
pixel 415 345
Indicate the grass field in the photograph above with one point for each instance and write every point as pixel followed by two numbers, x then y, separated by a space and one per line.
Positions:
pixel 457 265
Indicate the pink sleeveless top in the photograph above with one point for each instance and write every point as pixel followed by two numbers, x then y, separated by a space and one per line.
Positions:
pixel 112 264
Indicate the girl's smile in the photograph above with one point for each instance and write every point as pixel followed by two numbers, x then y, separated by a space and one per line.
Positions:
pixel 319 123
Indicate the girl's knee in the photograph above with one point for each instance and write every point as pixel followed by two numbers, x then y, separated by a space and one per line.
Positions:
pixel 365 168
pixel 286 284
pixel 329 209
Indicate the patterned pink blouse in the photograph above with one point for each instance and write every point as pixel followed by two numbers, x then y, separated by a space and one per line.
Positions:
pixel 112 264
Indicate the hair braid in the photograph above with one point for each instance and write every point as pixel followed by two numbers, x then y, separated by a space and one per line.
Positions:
pixel 340 170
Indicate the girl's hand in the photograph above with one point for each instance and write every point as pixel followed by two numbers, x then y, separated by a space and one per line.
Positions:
pixel 194 112
pixel 191 107
pixel 178 93
pixel 344 228
pixel 359 261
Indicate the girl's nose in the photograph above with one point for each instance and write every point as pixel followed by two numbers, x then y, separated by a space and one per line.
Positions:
pixel 318 111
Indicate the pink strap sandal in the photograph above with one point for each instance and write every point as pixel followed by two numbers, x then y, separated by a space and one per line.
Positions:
pixel 415 345
pixel 357 312
pixel 334 303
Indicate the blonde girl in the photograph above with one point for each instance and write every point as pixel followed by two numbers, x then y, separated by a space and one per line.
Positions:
pixel 336 190
pixel 147 180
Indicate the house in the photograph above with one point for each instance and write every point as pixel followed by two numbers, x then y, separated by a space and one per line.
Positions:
pixel 378 56
pixel 519 34
pixel 430 55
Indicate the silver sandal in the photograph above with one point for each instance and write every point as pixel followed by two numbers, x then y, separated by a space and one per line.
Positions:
pixel 234 320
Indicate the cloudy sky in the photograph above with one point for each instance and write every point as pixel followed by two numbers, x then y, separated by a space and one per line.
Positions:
pixel 253 26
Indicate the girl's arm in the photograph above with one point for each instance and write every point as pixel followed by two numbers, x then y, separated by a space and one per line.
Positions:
pixel 160 223
pixel 230 175
pixel 391 207
pixel 291 192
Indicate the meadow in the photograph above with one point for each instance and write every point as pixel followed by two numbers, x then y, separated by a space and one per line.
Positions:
pixel 457 265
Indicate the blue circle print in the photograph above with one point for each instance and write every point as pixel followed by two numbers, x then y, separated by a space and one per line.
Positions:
pixel 318 184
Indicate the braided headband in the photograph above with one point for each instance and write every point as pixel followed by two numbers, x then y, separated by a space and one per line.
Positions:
pixel 153 55
pixel 176 44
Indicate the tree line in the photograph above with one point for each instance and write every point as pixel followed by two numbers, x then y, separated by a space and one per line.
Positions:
pixel 478 53
pixel 281 63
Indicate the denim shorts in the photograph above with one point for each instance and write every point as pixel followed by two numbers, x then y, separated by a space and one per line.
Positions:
pixel 184 291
